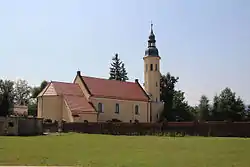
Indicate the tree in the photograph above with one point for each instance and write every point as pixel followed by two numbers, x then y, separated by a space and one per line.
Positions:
pixel 215 109
pixel 227 107
pixel 32 107
pixel 124 73
pixel 22 92
pixel 181 109
pixel 247 113
pixel 176 107
pixel 167 86
pixel 36 90
pixel 194 111
pixel 203 108
pixel 117 69
pixel 6 97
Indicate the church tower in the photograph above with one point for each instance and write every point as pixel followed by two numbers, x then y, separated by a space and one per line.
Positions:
pixel 152 73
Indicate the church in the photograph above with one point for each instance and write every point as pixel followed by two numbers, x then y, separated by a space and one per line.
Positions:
pixel 90 99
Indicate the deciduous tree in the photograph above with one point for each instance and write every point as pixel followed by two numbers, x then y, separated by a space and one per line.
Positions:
pixel 167 85
pixel 22 92
pixel 32 107
pixel 227 106
pixel 36 90
pixel 203 109
pixel 6 97
pixel 181 109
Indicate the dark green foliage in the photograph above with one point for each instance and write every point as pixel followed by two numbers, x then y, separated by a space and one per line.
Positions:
pixel 37 90
pixel 20 93
pixel 32 107
pixel 6 97
pixel 203 110
pixel 124 73
pixel 228 107
pixel 167 84
pixel 247 113
pixel 175 106
pixel 181 108
pixel 118 70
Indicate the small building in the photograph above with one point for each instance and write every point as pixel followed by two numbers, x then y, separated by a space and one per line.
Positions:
pixel 90 99
pixel 20 110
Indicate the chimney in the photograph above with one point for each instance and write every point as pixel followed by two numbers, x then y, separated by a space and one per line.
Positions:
pixel 136 81
pixel 79 73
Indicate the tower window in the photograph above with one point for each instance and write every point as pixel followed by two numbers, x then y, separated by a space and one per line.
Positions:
pixel 151 67
pixel 146 67
pixel 156 84
pixel 156 67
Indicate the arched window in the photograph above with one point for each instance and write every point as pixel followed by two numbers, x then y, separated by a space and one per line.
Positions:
pixel 136 110
pixel 156 67
pixel 117 108
pixel 100 107
pixel 151 67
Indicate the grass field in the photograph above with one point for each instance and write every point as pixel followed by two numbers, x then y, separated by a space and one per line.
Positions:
pixel 124 151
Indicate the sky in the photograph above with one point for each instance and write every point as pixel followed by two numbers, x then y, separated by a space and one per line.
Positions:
pixel 205 43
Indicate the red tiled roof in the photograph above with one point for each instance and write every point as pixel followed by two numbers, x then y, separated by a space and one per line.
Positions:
pixel 63 88
pixel 99 87
pixel 78 104
pixel 74 97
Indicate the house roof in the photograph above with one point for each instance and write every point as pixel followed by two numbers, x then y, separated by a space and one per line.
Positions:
pixel 64 88
pixel 78 104
pixel 114 89
pixel 73 96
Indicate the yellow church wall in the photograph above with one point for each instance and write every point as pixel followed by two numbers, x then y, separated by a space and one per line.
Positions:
pixel 126 110
pixel 50 107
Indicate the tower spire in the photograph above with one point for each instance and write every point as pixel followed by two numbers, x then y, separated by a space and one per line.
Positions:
pixel 151 50
pixel 151 28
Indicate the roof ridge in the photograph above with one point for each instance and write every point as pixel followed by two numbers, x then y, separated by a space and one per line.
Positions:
pixel 73 95
pixel 108 79
pixel 63 82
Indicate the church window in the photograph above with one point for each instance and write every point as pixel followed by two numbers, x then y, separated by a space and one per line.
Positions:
pixel 156 84
pixel 156 67
pixel 156 99
pixel 117 108
pixel 100 107
pixel 151 67
pixel 136 110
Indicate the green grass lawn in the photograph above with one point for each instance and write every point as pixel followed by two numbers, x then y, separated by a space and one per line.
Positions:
pixel 123 151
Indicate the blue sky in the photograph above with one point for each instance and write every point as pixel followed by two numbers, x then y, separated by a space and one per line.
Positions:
pixel 206 43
